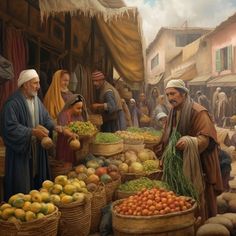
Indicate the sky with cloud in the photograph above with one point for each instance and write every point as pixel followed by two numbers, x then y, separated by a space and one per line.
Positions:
pixel 174 13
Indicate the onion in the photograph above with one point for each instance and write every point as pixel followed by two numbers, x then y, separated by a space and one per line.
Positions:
pixel 47 143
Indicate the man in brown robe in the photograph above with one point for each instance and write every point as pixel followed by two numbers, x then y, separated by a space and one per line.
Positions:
pixel 190 118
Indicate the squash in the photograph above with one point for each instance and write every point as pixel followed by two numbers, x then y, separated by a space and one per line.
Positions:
pixel 222 221
pixel 213 230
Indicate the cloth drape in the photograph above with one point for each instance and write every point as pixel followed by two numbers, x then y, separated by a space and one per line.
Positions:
pixel 16 50
pixel 191 163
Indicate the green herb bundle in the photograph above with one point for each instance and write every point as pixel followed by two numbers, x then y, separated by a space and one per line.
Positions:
pixel 173 169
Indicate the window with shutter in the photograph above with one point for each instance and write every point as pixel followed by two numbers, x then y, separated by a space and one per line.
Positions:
pixel 229 57
pixel 218 60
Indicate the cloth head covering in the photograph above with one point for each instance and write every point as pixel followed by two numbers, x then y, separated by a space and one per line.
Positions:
pixel 177 83
pixel 161 115
pixel 132 100
pixel 97 75
pixel 26 75
pixel 53 100
pixel 74 99
pixel 199 92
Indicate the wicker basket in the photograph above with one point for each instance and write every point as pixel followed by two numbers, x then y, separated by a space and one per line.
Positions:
pixel 107 149
pixel 120 194
pixel 134 147
pixel 46 226
pixel 97 203
pixel 59 167
pixel 111 189
pixel 75 218
pixel 173 224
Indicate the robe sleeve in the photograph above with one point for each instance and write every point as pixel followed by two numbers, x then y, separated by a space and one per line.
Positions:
pixel 15 135
pixel 110 102
pixel 203 126
pixel 203 142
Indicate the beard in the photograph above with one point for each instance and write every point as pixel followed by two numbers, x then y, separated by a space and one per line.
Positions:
pixel 33 93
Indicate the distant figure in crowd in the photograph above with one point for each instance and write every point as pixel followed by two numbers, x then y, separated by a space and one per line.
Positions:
pixel 232 102
pixel 214 104
pixel 161 107
pixel 24 123
pixel 108 104
pixel 58 93
pixel 202 100
pixel 198 132
pixel 133 112
pixel 161 120
pixel 127 113
pixel 225 167
pixel 153 99
pixel 74 110
pixel 222 109
pixel 144 115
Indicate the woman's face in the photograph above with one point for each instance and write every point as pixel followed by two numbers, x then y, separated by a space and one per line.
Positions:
pixel 65 79
pixel 77 108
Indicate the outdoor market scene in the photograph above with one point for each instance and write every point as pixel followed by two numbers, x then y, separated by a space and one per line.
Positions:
pixel 117 118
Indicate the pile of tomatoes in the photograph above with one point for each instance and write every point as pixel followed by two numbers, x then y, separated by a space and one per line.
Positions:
pixel 153 202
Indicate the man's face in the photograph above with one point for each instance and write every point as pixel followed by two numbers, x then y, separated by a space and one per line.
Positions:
pixel 98 83
pixel 175 98
pixel 32 87
pixel 65 79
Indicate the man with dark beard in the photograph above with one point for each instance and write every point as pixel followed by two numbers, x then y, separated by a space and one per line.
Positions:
pixel 193 121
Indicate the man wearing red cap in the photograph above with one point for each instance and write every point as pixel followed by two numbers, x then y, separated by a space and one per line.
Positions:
pixel 108 104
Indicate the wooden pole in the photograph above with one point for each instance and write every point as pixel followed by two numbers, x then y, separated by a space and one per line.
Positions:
pixel 68 41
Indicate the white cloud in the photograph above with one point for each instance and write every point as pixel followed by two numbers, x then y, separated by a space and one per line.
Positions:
pixel 173 13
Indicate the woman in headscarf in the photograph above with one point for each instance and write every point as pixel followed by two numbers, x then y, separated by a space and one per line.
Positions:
pixel 58 93
pixel 74 110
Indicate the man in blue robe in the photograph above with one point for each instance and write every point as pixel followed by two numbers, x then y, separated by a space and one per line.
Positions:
pixel 23 122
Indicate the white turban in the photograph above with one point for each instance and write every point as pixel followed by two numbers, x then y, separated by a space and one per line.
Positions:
pixel 26 75
pixel 177 83
pixel 161 115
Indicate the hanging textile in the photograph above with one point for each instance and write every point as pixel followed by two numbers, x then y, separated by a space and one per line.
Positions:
pixel 16 52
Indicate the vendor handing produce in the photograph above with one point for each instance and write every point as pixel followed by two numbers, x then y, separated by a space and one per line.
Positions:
pixel 108 104
pixel 198 138
pixel 25 122
pixel 74 110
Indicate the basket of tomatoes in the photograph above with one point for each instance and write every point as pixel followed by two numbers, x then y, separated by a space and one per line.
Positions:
pixel 154 211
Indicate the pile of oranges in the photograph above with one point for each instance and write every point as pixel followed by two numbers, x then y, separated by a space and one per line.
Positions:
pixel 153 202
